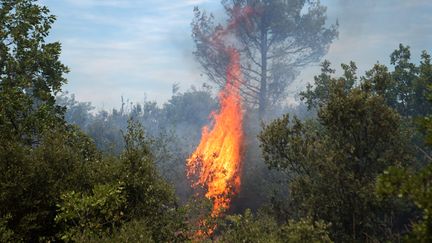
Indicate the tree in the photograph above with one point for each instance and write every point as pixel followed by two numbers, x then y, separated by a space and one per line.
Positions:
pixel 404 88
pixel 332 162
pixel 423 88
pixel 40 155
pixel 173 128
pixel 411 185
pixel 33 177
pixel 77 113
pixel 426 125
pixel 148 196
pixel 264 228
pixel 124 189
pixel 278 40
pixel 46 163
pixel 318 95
pixel 134 231
pixel 95 214
pixel 30 70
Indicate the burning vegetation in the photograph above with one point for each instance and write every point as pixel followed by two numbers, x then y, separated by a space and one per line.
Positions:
pixel 354 165
pixel 216 163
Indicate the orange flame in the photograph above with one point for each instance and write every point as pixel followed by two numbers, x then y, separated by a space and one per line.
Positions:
pixel 217 160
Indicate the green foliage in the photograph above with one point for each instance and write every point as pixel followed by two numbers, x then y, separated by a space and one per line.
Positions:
pixel 426 122
pixel 201 223
pixel 332 162
pixel 426 127
pixel 6 235
pixel 264 228
pixel 44 161
pixel 318 95
pixel 134 231
pixel 357 135
pixel 30 70
pixel 97 213
pixel 39 154
pixel 305 230
pixel 57 164
pixel 404 88
pixel 146 191
pixel 248 228
pixel 172 130
pixel 415 187
pixel 55 185
pixel 148 195
pixel 141 196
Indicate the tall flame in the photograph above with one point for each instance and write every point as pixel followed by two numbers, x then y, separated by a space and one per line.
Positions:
pixel 216 163
pixel 217 160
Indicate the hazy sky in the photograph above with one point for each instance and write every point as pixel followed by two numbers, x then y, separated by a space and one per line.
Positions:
pixel 139 48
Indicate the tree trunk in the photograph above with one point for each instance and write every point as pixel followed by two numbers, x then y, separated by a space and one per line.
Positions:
pixel 263 88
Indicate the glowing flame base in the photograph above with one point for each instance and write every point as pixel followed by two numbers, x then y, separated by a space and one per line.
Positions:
pixel 216 163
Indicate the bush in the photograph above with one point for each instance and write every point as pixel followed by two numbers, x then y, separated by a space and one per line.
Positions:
pixel 93 214
pixel 264 228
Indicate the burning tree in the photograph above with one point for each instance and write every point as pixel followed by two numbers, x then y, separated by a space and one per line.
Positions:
pixel 216 163
pixel 285 36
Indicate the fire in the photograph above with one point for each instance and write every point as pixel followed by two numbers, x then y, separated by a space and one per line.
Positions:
pixel 217 160
pixel 216 163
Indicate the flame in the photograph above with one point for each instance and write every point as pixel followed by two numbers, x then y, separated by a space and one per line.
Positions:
pixel 217 160
pixel 216 163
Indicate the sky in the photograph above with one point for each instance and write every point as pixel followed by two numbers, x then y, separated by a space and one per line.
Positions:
pixel 139 48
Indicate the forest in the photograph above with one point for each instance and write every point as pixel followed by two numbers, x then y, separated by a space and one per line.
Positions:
pixel 350 162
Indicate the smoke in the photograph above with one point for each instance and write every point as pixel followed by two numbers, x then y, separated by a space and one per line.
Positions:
pixel 353 15
pixel 369 31
pixel 216 163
